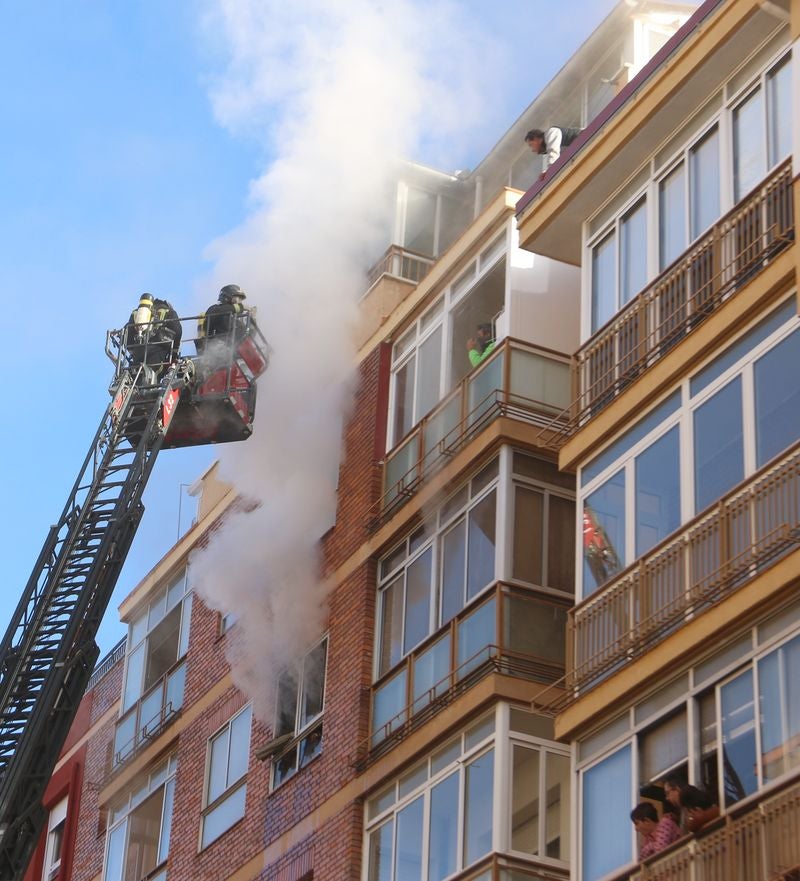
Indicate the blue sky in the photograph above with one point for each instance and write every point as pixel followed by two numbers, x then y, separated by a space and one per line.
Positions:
pixel 116 178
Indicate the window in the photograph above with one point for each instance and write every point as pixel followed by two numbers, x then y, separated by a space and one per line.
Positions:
pixel 139 828
pixel 226 770
pixel 301 699
pixel 56 824
pixel 431 357
pixel 155 671
pixel 540 822
pixel 647 483
pixel 731 726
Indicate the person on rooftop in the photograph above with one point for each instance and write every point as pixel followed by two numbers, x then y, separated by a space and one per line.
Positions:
pixel 551 141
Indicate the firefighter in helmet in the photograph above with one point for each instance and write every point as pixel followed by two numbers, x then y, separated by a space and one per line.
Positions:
pixel 222 323
pixel 153 333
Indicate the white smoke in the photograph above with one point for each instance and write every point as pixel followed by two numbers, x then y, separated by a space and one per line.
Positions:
pixel 339 90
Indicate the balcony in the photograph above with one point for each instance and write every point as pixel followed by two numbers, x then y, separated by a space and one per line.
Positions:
pixel 710 272
pixel 520 380
pixel 713 555
pixel 400 263
pixel 149 716
pixel 499 634
pixel 756 843
pixel 499 867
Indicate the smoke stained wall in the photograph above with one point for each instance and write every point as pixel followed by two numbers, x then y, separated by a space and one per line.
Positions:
pixel 338 91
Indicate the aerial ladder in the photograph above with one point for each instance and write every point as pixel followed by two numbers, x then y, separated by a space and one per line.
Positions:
pixel 48 652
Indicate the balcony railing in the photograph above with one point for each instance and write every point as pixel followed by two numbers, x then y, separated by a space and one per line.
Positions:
pixel 499 867
pixel 498 634
pixel 107 663
pixel 520 380
pixel 149 716
pixel 710 557
pixel 758 843
pixel 711 271
pixel 401 263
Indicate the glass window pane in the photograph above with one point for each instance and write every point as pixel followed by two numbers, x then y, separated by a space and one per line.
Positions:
pixel 779 111
pixel 777 399
pixel 533 627
pixel 176 683
pixel 166 821
pixel 658 491
pixel 133 678
pixel 403 400
pixel 186 623
pixel 528 533
pixel 481 543
pixel 162 647
pixel 663 748
pixel 561 544
pixel 380 853
pixel 738 737
pixel 116 852
pixel 287 703
pixel 633 252
pixel 408 859
pixel 388 701
pixel 418 601
pixel 240 746
pixel 779 701
pixel 430 372
pixel 525 800
pixel 454 552
pixel 749 144
pixel 224 815
pixel 704 177
pixel 672 217
pixel 606 826
pixel 604 281
pixel 391 649
pixel 144 826
pixel 443 829
pixel 557 819
pixel 218 766
pixel 420 221
pixel 604 533
pixel 718 445
pixel 476 632
pixel 478 809
pixel 313 683
pixel 430 669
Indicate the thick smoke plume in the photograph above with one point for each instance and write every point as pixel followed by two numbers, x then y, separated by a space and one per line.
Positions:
pixel 339 91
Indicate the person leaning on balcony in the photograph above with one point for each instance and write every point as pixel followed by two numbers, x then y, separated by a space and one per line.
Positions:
pixel 655 834
pixel 550 142
pixel 481 345
pixel 673 783
pixel 699 806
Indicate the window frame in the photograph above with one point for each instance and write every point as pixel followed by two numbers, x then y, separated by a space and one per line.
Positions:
pixel 743 367
pixel 233 787
pixel 59 812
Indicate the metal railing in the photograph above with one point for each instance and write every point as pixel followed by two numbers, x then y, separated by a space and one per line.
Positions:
pixel 711 271
pixel 501 867
pixel 505 645
pixel 758 843
pixel 713 555
pixel 401 263
pixel 116 654
pixel 520 380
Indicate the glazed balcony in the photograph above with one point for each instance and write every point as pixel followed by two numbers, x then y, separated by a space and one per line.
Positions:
pixel 400 262
pixel 501 632
pixel 757 842
pixel 519 380
pixel 499 867
pixel 715 268
pixel 715 554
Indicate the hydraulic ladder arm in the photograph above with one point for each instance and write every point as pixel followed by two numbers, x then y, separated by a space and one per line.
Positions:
pixel 48 652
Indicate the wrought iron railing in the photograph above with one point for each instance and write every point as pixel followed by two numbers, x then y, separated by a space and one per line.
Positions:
pixel 760 842
pixel 713 555
pixel 711 271
pixel 116 654
pixel 520 380
pixel 401 263
pixel 496 634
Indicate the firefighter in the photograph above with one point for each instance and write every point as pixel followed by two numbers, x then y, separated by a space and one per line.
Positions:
pixel 153 333
pixel 222 322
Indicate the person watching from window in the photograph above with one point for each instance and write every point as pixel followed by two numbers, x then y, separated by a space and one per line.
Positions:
pixel 700 807
pixel 655 835
pixel 673 783
pixel 481 345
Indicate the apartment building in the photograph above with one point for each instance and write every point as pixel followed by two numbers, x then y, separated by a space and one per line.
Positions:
pixel 678 205
pixel 417 738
